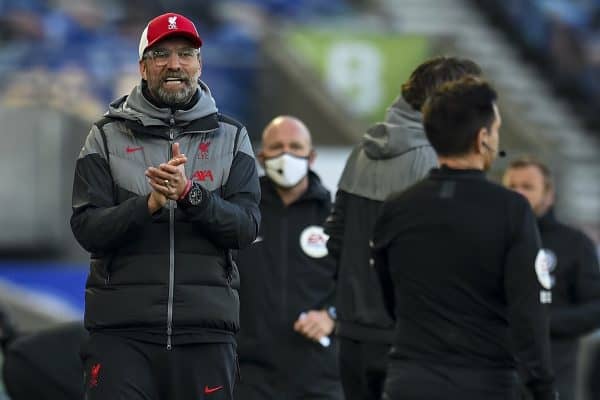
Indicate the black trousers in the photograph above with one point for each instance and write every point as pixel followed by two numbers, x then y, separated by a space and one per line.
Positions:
pixel 413 381
pixel 362 368
pixel 118 368
pixel 257 383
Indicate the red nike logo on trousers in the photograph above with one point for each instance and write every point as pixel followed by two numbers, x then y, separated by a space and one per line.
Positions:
pixel 133 149
pixel 209 390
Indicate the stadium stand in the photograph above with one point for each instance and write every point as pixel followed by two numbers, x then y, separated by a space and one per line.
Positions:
pixel 67 59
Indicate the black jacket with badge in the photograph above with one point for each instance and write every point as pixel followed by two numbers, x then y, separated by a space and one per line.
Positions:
pixel 286 272
pixel 575 308
pixel 457 257
pixel 169 274
pixel 392 156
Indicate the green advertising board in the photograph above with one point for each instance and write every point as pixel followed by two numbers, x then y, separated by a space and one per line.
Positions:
pixel 363 70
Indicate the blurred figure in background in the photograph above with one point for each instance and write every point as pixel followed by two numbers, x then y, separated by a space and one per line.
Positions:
pixel 161 300
pixel 21 21
pixel 46 364
pixel 287 279
pixel 572 261
pixel 392 156
pixel 593 377
pixel 7 329
pixel 457 257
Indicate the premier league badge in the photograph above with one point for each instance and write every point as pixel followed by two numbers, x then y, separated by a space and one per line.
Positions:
pixel 313 241
pixel 545 263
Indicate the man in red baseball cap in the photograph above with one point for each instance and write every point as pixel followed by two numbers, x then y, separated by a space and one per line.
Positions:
pixel 164 35
pixel 169 24
pixel 162 304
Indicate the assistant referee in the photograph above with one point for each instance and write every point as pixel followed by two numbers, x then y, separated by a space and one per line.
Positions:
pixel 457 257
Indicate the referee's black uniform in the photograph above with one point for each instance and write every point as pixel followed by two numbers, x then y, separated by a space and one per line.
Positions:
pixel 457 254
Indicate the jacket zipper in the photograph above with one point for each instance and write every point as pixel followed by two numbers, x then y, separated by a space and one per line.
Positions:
pixel 171 247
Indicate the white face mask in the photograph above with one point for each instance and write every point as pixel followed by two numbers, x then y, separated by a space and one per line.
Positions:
pixel 286 170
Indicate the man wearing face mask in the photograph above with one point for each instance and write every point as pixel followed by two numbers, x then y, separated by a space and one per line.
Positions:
pixel 287 278
pixel 162 304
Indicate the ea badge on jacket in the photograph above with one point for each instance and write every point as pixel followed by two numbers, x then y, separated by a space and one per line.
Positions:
pixel 313 241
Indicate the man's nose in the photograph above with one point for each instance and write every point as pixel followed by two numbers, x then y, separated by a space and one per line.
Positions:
pixel 173 62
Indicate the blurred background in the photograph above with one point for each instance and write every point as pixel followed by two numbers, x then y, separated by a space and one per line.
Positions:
pixel 336 64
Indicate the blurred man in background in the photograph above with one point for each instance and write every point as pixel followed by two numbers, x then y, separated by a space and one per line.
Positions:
pixel 592 388
pixel 46 364
pixel 457 257
pixel 392 156
pixel 287 279
pixel 7 328
pixel 572 261
pixel 161 299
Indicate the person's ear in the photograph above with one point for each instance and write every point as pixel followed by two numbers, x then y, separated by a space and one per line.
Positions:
pixel 143 69
pixel 481 144
pixel 311 157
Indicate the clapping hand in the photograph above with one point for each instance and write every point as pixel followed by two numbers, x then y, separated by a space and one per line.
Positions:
pixel 168 181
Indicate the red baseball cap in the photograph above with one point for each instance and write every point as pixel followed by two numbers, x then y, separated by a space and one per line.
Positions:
pixel 169 24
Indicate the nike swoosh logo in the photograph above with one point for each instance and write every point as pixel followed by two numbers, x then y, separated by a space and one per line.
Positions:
pixel 209 390
pixel 133 149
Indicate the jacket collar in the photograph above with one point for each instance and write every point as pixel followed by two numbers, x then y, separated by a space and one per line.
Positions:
pixel 142 115
pixel 205 124
pixel 447 172
pixel 547 220
pixel 315 191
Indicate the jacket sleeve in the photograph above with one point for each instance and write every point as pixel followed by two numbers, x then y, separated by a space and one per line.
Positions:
pixel 527 316
pixel 584 316
pixel 231 220
pixel 97 222
pixel 379 245
pixel 335 225
pixel 327 301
